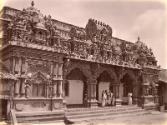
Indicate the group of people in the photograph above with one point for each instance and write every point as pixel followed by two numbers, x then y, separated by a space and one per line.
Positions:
pixel 108 98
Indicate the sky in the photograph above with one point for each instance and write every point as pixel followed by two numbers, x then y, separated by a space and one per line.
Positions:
pixel 128 19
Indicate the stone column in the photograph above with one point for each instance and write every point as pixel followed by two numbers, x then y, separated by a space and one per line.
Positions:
pixel 17 88
pixel 11 87
pixel 22 87
pixel 19 65
pixel 117 91
pixel 60 70
pixel 118 100
pixel 13 64
pixel 60 88
pixel 55 71
pixel 155 94
pixel 92 93
pixel 54 89
pixel 136 90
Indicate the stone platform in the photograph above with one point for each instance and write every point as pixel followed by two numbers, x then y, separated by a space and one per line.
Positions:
pixel 82 114
pixel 42 116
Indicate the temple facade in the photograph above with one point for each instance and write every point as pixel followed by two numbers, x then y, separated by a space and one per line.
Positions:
pixel 56 65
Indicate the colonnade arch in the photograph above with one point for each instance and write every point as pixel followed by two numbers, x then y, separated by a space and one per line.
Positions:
pixel 75 87
pixel 128 83
pixel 107 80
pixel 94 80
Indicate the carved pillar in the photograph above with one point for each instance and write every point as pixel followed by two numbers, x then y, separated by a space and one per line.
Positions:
pixel 155 94
pixel 92 92
pixel 118 90
pixel 56 69
pixel 11 86
pixel 60 81
pixel 54 89
pixel 118 100
pixel 60 88
pixel 19 65
pixel 22 87
pixel 13 64
pixel 17 88
pixel 60 70
pixel 135 95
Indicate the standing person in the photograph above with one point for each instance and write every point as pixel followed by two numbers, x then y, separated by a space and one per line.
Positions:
pixel 103 98
pixel 108 97
pixel 27 89
pixel 111 98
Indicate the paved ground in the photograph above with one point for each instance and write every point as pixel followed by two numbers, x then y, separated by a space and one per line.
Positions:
pixel 154 118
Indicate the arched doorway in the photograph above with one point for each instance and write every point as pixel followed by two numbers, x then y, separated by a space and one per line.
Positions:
pixel 126 87
pixel 75 88
pixel 104 82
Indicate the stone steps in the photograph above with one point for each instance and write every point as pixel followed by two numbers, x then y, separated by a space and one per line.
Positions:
pixel 78 114
pixel 98 113
pixel 107 117
pixel 24 117
pixel 96 110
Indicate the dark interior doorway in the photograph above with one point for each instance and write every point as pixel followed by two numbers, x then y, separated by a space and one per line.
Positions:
pixel 3 109
pixel 127 85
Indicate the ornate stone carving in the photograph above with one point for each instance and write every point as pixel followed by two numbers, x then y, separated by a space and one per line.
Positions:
pixel 94 43
pixel 73 33
pixel 98 30
pixel 19 106
pixel 145 55
pixel 57 105
pixel 69 66
pixel 36 65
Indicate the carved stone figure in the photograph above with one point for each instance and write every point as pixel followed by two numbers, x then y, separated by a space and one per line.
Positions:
pixel 27 89
pixel 73 33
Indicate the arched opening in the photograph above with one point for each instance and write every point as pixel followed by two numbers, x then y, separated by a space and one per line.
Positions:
pixel 126 87
pixel 75 88
pixel 104 82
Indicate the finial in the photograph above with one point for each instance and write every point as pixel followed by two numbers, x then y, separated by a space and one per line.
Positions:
pixel 32 3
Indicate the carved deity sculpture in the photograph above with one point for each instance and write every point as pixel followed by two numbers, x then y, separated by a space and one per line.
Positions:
pixel 73 33
pixel 116 52
pixel 27 88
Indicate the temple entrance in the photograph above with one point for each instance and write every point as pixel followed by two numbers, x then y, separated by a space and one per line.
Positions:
pixel 3 111
pixel 75 88
pixel 126 88
pixel 104 84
